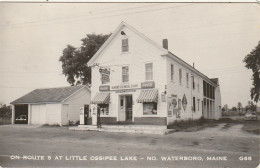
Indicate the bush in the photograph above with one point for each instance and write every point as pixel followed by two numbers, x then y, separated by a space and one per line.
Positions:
pixel 51 125
pixel 71 123
pixel 184 124
pixel 5 111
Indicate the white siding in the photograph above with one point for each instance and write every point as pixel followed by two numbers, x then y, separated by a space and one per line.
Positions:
pixel 175 87
pixel 53 113
pixel 140 53
pixel 38 114
pixel 79 99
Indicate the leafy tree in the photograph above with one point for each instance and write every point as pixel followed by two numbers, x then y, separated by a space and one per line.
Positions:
pixel 251 106
pixel 74 60
pixel 252 61
pixel 234 109
pixel 5 111
pixel 239 106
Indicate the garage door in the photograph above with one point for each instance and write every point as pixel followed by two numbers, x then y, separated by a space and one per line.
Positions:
pixel 38 114
pixel 21 114
pixel 53 113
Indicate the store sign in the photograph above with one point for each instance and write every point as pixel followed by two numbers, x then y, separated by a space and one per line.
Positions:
pixel 184 102
pixel 147 85
pixel 125 86
pixel 104 88
pixel 104 71
pixel 122 91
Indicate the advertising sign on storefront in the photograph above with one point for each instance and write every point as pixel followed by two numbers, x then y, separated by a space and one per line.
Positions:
pixel 104 88
pixel 125 86
pixel 105 75
pixel 147 85
pixel 172 105
pixel 184 102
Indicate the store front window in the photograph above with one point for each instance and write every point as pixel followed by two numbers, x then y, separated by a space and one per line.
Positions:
pixel 104 109
pixel 150 108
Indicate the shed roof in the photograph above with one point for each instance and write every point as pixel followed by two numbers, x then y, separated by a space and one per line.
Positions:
pixel 48 95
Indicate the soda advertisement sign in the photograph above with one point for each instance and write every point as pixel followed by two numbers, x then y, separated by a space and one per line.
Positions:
pixel 172 105
pixel 184 102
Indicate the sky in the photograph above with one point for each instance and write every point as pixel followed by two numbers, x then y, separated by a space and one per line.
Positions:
pixel 214 36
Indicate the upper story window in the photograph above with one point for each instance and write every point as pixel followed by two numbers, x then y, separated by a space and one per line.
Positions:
pixel 187 79
pixel 193 82
pixel 180 75
pixel 125 74
pixel 198 85
pixel 149 71
pixel 125 46
pixel 172 72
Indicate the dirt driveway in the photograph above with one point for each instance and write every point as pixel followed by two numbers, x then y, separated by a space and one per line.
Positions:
pixel 235 147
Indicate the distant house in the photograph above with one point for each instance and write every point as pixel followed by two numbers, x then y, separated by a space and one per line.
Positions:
pixel 50 106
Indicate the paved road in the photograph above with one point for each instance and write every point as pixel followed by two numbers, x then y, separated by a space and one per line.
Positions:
pixel 81 145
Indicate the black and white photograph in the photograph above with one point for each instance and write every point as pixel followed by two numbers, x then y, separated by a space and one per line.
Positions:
pixel 130 84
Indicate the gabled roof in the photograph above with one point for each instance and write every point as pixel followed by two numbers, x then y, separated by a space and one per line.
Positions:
pixel 212 81
pixel 120 27
pixel 49 95
pixel 215 80
pixel 165 51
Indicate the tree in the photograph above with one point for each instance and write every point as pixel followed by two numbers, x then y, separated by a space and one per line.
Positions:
pixel 74 60
pixel 251 106
pixel 234 109
pixel 239 106
pixel 5 111
pixel 252 61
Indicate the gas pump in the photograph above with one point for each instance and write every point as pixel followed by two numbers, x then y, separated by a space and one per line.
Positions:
pixel 81 116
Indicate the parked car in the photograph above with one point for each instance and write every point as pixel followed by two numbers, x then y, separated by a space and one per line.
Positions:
pixel 250 116
pixel 21 118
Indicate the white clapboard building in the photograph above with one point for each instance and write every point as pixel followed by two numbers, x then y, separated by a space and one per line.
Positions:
pixel 135 80
pixel 51 106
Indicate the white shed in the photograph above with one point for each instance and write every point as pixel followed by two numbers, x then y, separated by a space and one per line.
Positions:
pixel 51 106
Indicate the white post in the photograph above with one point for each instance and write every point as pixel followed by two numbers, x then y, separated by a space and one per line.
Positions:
pixel 29 114
pixel 13 114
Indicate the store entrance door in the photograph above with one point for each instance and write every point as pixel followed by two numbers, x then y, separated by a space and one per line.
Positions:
pixel 129 108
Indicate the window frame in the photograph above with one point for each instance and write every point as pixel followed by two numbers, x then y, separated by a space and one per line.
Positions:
pixel 187 79
pixel 104 106
pixel 155 104
pixel 125 74
pixel 180 75
pixel 172 72
pixel 151 72
pixel 125 45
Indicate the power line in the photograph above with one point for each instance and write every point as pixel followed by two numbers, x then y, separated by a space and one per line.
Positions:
pixel 49 20
pixel 102 17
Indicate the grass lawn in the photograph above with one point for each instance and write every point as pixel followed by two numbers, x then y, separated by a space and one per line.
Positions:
pixel 196 125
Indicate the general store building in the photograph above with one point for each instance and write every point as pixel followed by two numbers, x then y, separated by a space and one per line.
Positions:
pixel 135 80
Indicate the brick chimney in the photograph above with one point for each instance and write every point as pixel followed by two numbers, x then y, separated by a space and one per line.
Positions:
pixel 165 44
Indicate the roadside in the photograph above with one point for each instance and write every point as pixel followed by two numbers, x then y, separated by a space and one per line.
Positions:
pixel 197 125
pixel 220 140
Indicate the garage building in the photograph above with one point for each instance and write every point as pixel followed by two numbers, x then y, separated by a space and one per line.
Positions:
pixel 51 105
